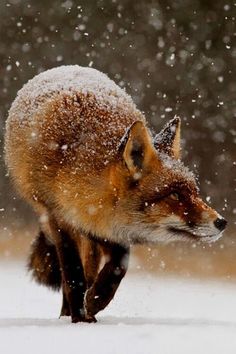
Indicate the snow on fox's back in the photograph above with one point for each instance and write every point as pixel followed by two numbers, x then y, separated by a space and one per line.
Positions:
pixel 70 80
pixel 83 103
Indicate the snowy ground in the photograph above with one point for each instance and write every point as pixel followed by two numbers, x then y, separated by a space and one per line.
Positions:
pixel 148 315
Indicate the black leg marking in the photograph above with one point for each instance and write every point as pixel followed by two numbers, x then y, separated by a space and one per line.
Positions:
pixel 109 278
pixel 74 284
pixel 65 310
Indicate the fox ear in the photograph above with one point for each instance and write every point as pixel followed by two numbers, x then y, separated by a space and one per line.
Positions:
pixel 168 140
pixel 137 149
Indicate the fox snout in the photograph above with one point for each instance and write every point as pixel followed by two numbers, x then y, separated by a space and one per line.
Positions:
pixel 204 223
pixel 207 229
pixel 213 231
pixel 211 224
pixel 220 223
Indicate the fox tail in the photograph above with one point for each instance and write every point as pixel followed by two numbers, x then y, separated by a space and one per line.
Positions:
pixel 44 264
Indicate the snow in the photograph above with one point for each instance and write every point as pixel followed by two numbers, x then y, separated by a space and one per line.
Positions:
pixel 178 169
pixel 150 314
pixel 79 104
pixel 68 80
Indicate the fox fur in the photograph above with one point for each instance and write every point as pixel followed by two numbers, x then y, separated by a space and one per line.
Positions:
pixel 81 153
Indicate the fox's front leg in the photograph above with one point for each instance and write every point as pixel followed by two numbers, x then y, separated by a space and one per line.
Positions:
pixel 65 309
pixel 109 278
pixel 72 274
pixel 68 307
pixel 73 280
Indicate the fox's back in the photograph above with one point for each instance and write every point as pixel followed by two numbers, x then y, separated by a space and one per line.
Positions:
pixel 67 116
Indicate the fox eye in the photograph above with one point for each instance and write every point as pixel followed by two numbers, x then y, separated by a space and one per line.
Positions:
pixel 174 196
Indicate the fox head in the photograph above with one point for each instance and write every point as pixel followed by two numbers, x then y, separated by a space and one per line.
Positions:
pixel 156 196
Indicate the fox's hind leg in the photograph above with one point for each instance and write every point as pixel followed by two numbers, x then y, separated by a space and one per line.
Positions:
pixel 109 278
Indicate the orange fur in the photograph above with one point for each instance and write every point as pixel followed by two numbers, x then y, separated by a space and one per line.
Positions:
pixel 88 164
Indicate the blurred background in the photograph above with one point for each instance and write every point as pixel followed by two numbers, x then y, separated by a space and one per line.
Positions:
pixel 172 57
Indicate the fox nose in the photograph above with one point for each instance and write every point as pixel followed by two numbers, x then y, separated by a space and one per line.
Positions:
pixel 220 223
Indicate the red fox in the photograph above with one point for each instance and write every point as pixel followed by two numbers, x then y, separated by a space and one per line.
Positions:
pixel 80 152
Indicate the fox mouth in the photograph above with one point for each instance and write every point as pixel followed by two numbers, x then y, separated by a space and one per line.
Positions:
pixel 185 234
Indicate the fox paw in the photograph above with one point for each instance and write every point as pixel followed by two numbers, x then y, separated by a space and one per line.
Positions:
pixel 88 319
pixel 65 313
pixel 90 303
